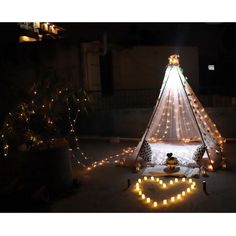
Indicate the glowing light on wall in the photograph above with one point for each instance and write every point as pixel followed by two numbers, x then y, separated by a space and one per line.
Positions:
pixel 24 38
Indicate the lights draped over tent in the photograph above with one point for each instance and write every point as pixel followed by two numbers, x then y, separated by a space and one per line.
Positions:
pixel 180 117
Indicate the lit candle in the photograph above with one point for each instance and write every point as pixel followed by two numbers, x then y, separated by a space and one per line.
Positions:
pixel 145 178
pixel 210 167
pixel 164 202
pixel 171 182
pixel 143 196
pixel 164 185
pixel 137 188
pixel 152 178
pixel 140 192
pixel 172 199
pixel 137 184
pixel 183 179
pixel 176 180
pixel 188 190
pixel 183 193
pixel 89 168
pixel 155 204
pixel 179 196
pixel 161 181
pixel 190 181
pixel 139 180
pixel 192 186
pixel 148 200
pixel 157 179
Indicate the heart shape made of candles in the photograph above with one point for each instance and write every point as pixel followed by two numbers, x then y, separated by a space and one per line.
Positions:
pixel 163 185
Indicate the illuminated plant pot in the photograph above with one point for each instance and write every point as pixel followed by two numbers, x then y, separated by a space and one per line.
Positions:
pixel 51 166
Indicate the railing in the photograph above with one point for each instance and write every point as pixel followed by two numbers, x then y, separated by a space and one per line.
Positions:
pixel 145 98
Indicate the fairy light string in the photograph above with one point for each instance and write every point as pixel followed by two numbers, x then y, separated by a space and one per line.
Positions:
pixel 35 106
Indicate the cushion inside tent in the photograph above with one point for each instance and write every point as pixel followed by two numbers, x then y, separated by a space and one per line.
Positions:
pixel 183 152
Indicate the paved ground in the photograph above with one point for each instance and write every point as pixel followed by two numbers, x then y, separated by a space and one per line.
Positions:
pixel 102 190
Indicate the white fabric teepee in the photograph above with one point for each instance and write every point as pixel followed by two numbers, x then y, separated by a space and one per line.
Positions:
pixel 179 117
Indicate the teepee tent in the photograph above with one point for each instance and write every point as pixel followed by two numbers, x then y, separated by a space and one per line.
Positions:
pixel 179 121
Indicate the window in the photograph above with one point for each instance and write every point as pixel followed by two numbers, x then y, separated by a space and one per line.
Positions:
pixel 211 67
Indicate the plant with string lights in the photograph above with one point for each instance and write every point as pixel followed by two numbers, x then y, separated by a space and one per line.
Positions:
pixel 49 114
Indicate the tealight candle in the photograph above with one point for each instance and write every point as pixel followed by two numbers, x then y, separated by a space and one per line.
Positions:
pixel 192 186
pixel 190 181
pixel 176 180
pixel 143 196
pixel 172 199
pixel 152 178
pixel 178 196
pixel 139 180
pixel 155 204
pixel 171 182
pixel 137 184
pixel 157 179
pixel 210 167
pixel 148 200
pixel 183 179
pixel 161 181
pixel 145 178
pixel 164 202
pixel 137 187
pixel 140 192
pixel 183 193
pixel 164 185
pixel 188 190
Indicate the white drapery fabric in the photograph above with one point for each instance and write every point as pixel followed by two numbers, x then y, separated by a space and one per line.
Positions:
pixel 179 117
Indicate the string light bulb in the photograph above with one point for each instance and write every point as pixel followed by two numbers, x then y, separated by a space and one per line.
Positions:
pixel 164 202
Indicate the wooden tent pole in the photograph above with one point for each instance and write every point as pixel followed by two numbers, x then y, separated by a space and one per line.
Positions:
pixel 153 114
pixel 194 117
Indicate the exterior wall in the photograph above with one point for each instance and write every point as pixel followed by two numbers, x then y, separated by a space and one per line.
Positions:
pixel 144 67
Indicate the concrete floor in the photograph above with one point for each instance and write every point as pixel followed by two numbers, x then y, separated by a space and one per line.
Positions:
pixel 102 189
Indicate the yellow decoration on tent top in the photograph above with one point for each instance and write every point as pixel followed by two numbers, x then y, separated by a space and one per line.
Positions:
pixel 174 60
